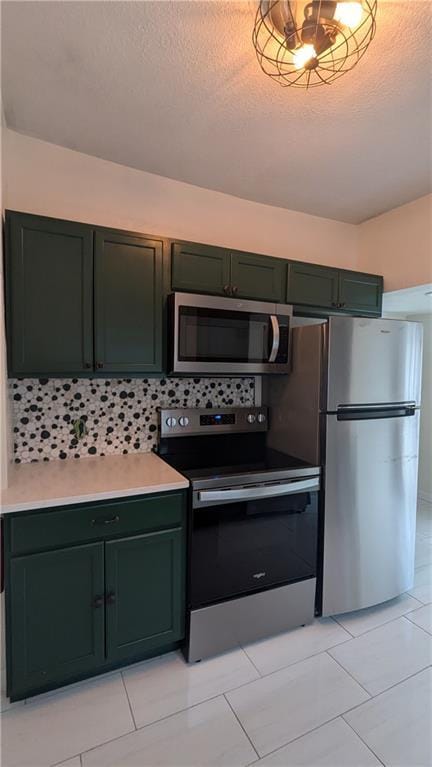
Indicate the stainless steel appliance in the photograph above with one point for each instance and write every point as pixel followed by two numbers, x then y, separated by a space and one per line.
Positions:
pixel 352 403
pixel 253 528
pixel 227 335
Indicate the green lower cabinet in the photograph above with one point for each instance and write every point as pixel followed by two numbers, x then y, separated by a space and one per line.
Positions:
pixel 76 610
pixel 144 593
pixel 56 627
pixel 361 292
pixel 258 277
pixel 311 285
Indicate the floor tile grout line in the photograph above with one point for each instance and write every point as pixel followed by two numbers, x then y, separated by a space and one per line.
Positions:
pixel 253 664
pixel 238 720
pixel 364 742
pixel 416 624
pixel 349 674
pixel 314 729
pixel 291 663
pixel 429 633
pixel 68 758
pixel 128 700
pixel 149 724
pixel 385 623
pixel 298 737
pixel 342 627
pixel 378 694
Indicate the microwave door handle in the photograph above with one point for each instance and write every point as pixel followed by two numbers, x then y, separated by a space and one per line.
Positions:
pixel 255 493
pixel 276 338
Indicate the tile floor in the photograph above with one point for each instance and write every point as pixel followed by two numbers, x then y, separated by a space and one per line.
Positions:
pixel 354 691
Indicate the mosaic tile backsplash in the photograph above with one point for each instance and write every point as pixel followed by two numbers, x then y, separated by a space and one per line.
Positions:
pixel 119 416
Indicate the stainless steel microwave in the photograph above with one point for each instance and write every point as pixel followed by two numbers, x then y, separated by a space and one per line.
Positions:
pixel 227 336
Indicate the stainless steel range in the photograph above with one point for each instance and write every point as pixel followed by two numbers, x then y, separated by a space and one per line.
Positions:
pixel 253 528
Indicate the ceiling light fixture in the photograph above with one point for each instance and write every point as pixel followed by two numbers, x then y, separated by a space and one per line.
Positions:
pixel 306 44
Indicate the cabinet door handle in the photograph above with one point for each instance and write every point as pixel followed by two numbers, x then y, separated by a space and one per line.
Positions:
pixel 335 304
pixel 342 304
pixel 109 521
pixel 99 365
pixel 234 290
pixel 87 365
pixel 111 598
pixel 98 601
pixel 227 289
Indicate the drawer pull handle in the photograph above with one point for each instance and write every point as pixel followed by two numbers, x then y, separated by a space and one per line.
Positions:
pixel 109 521
pixel 110 598
pixel 98 601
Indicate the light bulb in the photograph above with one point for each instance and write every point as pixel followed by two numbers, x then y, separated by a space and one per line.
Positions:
pixel 303 55
pixel 349 14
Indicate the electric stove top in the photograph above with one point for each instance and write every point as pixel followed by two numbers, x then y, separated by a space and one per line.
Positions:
pixel 210 453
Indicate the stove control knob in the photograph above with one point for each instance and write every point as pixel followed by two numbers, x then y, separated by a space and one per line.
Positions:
pixel 251 418
pixel 171 421
pixel 261 418
pixel 183 420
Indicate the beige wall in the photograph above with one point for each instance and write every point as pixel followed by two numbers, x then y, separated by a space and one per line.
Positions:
pixel 50 180
pixel 398 244
pixel 425 463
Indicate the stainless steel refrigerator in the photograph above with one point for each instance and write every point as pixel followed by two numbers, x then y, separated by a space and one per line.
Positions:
pixel 352 403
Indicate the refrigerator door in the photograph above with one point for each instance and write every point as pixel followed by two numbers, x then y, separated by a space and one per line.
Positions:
pixel 373 361
pixel 370 509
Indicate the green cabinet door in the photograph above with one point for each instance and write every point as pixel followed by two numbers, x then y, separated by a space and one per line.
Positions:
pixel 56 616
pixel 361 292
pixel 49 291
pixel 258 277
pixel 312 285
pixel 200 268
pixel 128 303
pixel 144 593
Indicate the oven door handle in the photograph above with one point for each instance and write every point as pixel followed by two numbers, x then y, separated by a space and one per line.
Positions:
pixel 256 493
pixel 276 338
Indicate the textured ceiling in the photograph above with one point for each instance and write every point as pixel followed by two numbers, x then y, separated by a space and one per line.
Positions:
pixel 174 88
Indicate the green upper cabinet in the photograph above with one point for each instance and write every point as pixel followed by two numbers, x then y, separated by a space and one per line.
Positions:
pixel 218 271
pixel 81 299
pixel 49 295
pixel 258 277
pixel 128 303
pixel 144 593
pixel 56 616
pixel 361 293
pixel 312 285
pixel 322 287
pixel 200 268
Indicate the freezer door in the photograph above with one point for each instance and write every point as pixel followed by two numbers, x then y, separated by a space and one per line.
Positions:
pixel 370 510
pixel 373 361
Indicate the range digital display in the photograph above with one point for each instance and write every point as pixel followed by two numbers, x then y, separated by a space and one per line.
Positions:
pixel 217 419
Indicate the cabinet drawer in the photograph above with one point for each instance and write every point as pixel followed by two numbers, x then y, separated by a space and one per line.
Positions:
pixel 73 525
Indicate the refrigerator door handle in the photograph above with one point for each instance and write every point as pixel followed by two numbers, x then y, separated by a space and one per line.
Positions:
pixel 378 405
pixel 362 414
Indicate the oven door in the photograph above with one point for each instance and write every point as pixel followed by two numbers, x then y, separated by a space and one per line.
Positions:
pixel 246 543
pixel 226 335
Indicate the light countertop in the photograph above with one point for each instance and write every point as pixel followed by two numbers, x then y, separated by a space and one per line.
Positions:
pixel 59 483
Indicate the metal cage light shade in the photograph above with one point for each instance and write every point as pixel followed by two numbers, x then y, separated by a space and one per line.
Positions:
pixel 306 44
